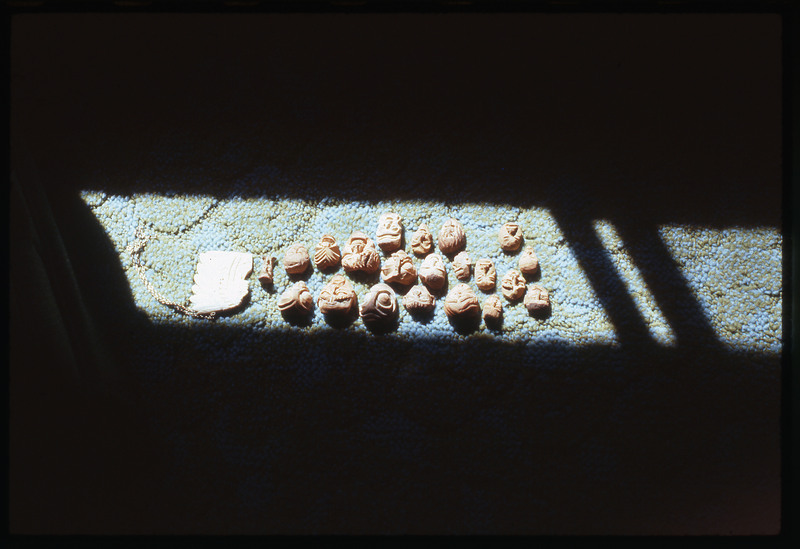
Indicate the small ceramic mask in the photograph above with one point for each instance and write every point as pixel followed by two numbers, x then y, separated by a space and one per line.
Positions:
pixel 461 266
pixel 337 297
pixel 451 237
pixel 432 272
pixel 296 260
pixel 379 305
pixel 327 254
pixel 418 300
pixel 536 298
pixel 360 254
pixel 390 232
pixel 513 285
pixel 422 241
pixel 461 301
pixel 265 275
pixel 528 262
pixel 492 308
pixel 399 268
pixel 510 237
pixel 485 274
pixel 296 299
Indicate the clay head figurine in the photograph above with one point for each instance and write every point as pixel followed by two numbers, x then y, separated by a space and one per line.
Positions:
pixel 399 268
pixel 296 260
pixel 461 266
pixel 327 254
pixel 510 237
pixel 360 254
pixel 537 299
pixel 296 300
pixel 389 232
pixel 422 241
pixel 528 262
pixel 337 297
pixel 418 300
pixel 432 272
pixel 461 301
pixel 513 285
pixel 485 274
pixel 379 305
pixel 451 237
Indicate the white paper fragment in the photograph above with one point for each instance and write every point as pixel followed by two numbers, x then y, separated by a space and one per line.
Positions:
pixel 220 283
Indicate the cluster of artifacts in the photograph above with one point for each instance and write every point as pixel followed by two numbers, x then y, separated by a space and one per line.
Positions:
pixel 360 254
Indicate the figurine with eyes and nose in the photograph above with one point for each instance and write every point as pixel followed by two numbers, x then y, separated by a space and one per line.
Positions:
pixel 390 232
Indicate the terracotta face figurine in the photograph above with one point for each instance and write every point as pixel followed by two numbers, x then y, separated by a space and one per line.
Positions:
pixel 510 237
pixel 536 299
pixel 379 305
pixel 492 308
pixel 422 241
pixel 418 300
pixel 296 299
pixel 390 232
pixel 485 274
pixel 337 297
pixel 432 272
pixel 296 260
pixel 528 262
pixel 399 268
pixel 461 266
pixel 327 254
pixel 451 237
pixel 461 301
pixel 265 275
pixel 513 285
pixel 360 254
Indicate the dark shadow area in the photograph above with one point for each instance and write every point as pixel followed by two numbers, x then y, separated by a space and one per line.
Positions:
pixel 465 324
pixel 341 321
pixel 343 432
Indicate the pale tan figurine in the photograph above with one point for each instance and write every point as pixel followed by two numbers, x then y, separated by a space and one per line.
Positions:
pixel 510 237
pixel 337 297
pixel 492 308
pixel 461 301
pixel 485 274
pixel 265 275
pixel 422 241
pixel 461 266
pixel 432 272
pixel 379 305
pixel 327 254
pixel 220 283
pixel 451 237
pixel 418 300
pixel 513 285
pixel 296 299
pixel 528 262
pixel 389 232
pixel 360 254
pixel 536 298
pixel 399 268
pixel 296 259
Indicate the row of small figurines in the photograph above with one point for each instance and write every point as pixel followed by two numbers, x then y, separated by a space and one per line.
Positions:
pixel 360 254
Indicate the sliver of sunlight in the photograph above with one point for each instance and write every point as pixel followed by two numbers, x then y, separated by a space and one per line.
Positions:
pixel 643 298
pixel 183 226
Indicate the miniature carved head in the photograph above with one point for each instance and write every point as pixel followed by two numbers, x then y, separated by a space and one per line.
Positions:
pixel 510 237
pixel 537 299
pixel 296 299
pixel 451 237
pixel 390 232
pixel 360 254
pixel 432 272
pixel 492 308
pixel 296 259
pixel 399 268
pixel 422 241
pixel 461 266
pixel 461 301
pixel 337 297
pixel 327 254
pixel 485 274
pixel 513 285
pixel 528 262
pixel 265 275
pixel 418 300
pixel 379 305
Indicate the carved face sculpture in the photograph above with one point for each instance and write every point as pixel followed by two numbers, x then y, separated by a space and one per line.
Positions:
pixel 528 262
pixel 327 254
pixel 537 299
pixel 296 299
pixel 461 266
pixel 390 232
pixel 513 285
pixel 451 237
pixel 418 300
pixel 461 301
pixel 265 276
pixel 485 274
pixel 432 272
pixel 337 297
pixel 422 241
pixel 360 254
pixel 296 259
pixel 492 308
pixel 510 237
pixel 399 268
pixel 379 305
